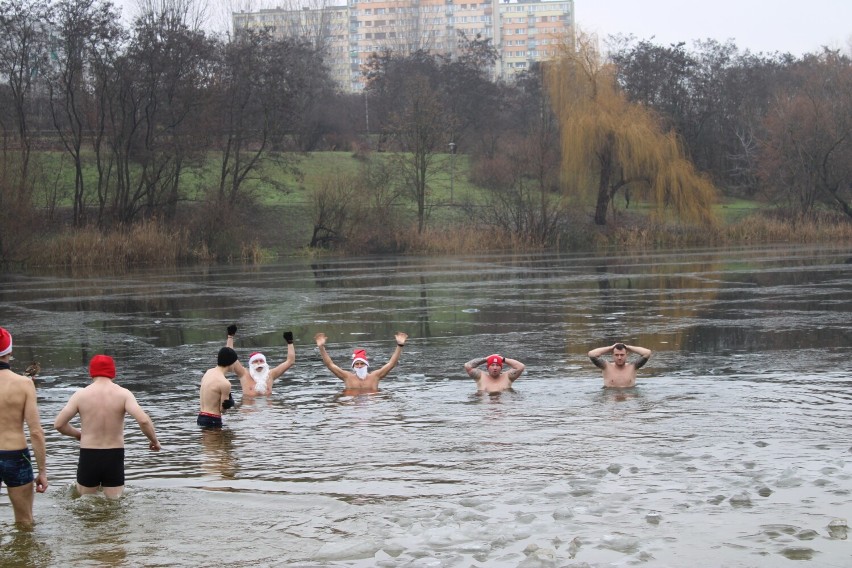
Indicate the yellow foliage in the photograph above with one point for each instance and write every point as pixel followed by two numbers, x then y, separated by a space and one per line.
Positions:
pixel 610 144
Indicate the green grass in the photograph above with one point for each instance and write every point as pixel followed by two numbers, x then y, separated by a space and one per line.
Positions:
pixel 272 184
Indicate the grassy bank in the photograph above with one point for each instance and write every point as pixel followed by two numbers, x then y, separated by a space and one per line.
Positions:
pixel 277 220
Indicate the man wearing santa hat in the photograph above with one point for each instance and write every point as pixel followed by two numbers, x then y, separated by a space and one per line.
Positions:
pixel 495 379
pixel 102 407
pixel 258 379
pixel 18 405
pixel 360 377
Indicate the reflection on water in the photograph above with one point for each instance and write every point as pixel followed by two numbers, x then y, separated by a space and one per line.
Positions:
pixel 733 445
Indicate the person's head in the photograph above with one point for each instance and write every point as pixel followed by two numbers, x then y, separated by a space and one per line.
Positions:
pixel 619 354
pixel 102 366
pixel 226 357
pixel 360 364
pixel 258 368
pixel 5 344
pixel 495 365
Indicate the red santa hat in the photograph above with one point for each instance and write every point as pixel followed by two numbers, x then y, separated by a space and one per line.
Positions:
pixel 360 355
pixel 257 356
pixel 5 342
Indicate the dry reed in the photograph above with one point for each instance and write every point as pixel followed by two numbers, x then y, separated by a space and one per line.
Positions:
pixel 141 244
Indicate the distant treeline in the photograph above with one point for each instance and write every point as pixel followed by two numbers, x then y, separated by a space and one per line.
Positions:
pixel 137 110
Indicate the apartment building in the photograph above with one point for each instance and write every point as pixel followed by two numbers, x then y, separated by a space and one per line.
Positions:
pixel 523 31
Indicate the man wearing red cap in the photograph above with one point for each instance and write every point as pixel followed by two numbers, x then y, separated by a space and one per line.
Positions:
pixel 102 406
pixel 18 405
pixel 495 379
pixel 360 377
pixel 258 378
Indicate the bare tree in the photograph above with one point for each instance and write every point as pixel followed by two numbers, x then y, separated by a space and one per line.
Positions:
pixel 84 30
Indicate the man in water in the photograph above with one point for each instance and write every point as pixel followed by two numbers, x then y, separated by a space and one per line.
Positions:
pixel 18 405
pixel 360 377
pixel 619 373
pixel 216 390
pixel 102 407
pixel 258 379
pixel 495 379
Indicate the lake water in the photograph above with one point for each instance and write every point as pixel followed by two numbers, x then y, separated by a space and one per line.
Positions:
pixel 733 450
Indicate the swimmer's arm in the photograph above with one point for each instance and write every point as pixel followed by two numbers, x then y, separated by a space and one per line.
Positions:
pixel 338 372
pixel 472 370
pixel 641 351
pixel 517 368
pixel 280 369
pixel 400 342
pixel 596 353
pixel 132 408
pixel 63 419
pixel 598 362
pixel 36 437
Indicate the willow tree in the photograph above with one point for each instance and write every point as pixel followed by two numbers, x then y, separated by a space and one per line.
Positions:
pixel 612 144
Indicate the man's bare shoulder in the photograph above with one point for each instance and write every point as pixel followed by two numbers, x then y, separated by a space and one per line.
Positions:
pixel 13 382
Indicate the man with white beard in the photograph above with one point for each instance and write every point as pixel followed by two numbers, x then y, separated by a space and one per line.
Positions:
pixel 258 378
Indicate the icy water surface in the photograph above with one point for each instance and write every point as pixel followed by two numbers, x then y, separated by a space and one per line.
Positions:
pixel 733 450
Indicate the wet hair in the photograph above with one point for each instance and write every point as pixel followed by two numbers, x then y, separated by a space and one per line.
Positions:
pixel 620 347
pixel 226 356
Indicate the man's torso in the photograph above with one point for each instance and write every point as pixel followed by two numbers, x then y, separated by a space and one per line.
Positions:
pixel 619 377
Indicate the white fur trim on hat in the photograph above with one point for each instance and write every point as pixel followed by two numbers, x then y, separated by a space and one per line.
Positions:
pixel 5 342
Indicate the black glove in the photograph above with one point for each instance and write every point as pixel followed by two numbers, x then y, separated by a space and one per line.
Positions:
pixel 232 329
pixel 226 404
pixel 288 337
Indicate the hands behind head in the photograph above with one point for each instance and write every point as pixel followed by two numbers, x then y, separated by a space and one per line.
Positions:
pixel 288 337
pixel 232 329
pixel 320 339
pixel 401 336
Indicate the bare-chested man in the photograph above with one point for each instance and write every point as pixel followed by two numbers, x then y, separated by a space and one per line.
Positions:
pixel 360 378
pixel 619 373
pixel 18 405
pixel 258 378
pixel 495 379
pixel 102 407
pixel 216 390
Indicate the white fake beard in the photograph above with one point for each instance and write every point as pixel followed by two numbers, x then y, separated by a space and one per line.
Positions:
pixel 361 372
pixel 259 377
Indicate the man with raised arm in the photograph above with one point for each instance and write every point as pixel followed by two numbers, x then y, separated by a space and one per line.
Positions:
pixel 494 379
pixel 619 373
pixel 215 395
pixel 102 407
pixel 18 405
pixel 360 377
pixel 258 378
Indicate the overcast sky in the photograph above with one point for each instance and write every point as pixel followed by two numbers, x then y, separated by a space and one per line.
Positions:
pixel 758 25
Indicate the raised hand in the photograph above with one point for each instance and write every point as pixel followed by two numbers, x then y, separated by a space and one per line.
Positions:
pixel 232 329
pixel 288 337
pixel 401 336
pixel 320 339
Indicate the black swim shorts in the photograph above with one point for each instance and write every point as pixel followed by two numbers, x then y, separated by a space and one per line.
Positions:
pixel 101 467
pixel 208 420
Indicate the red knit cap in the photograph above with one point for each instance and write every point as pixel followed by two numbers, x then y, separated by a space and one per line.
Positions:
pixel 5 342
pixel 495 359
pixel 102 366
